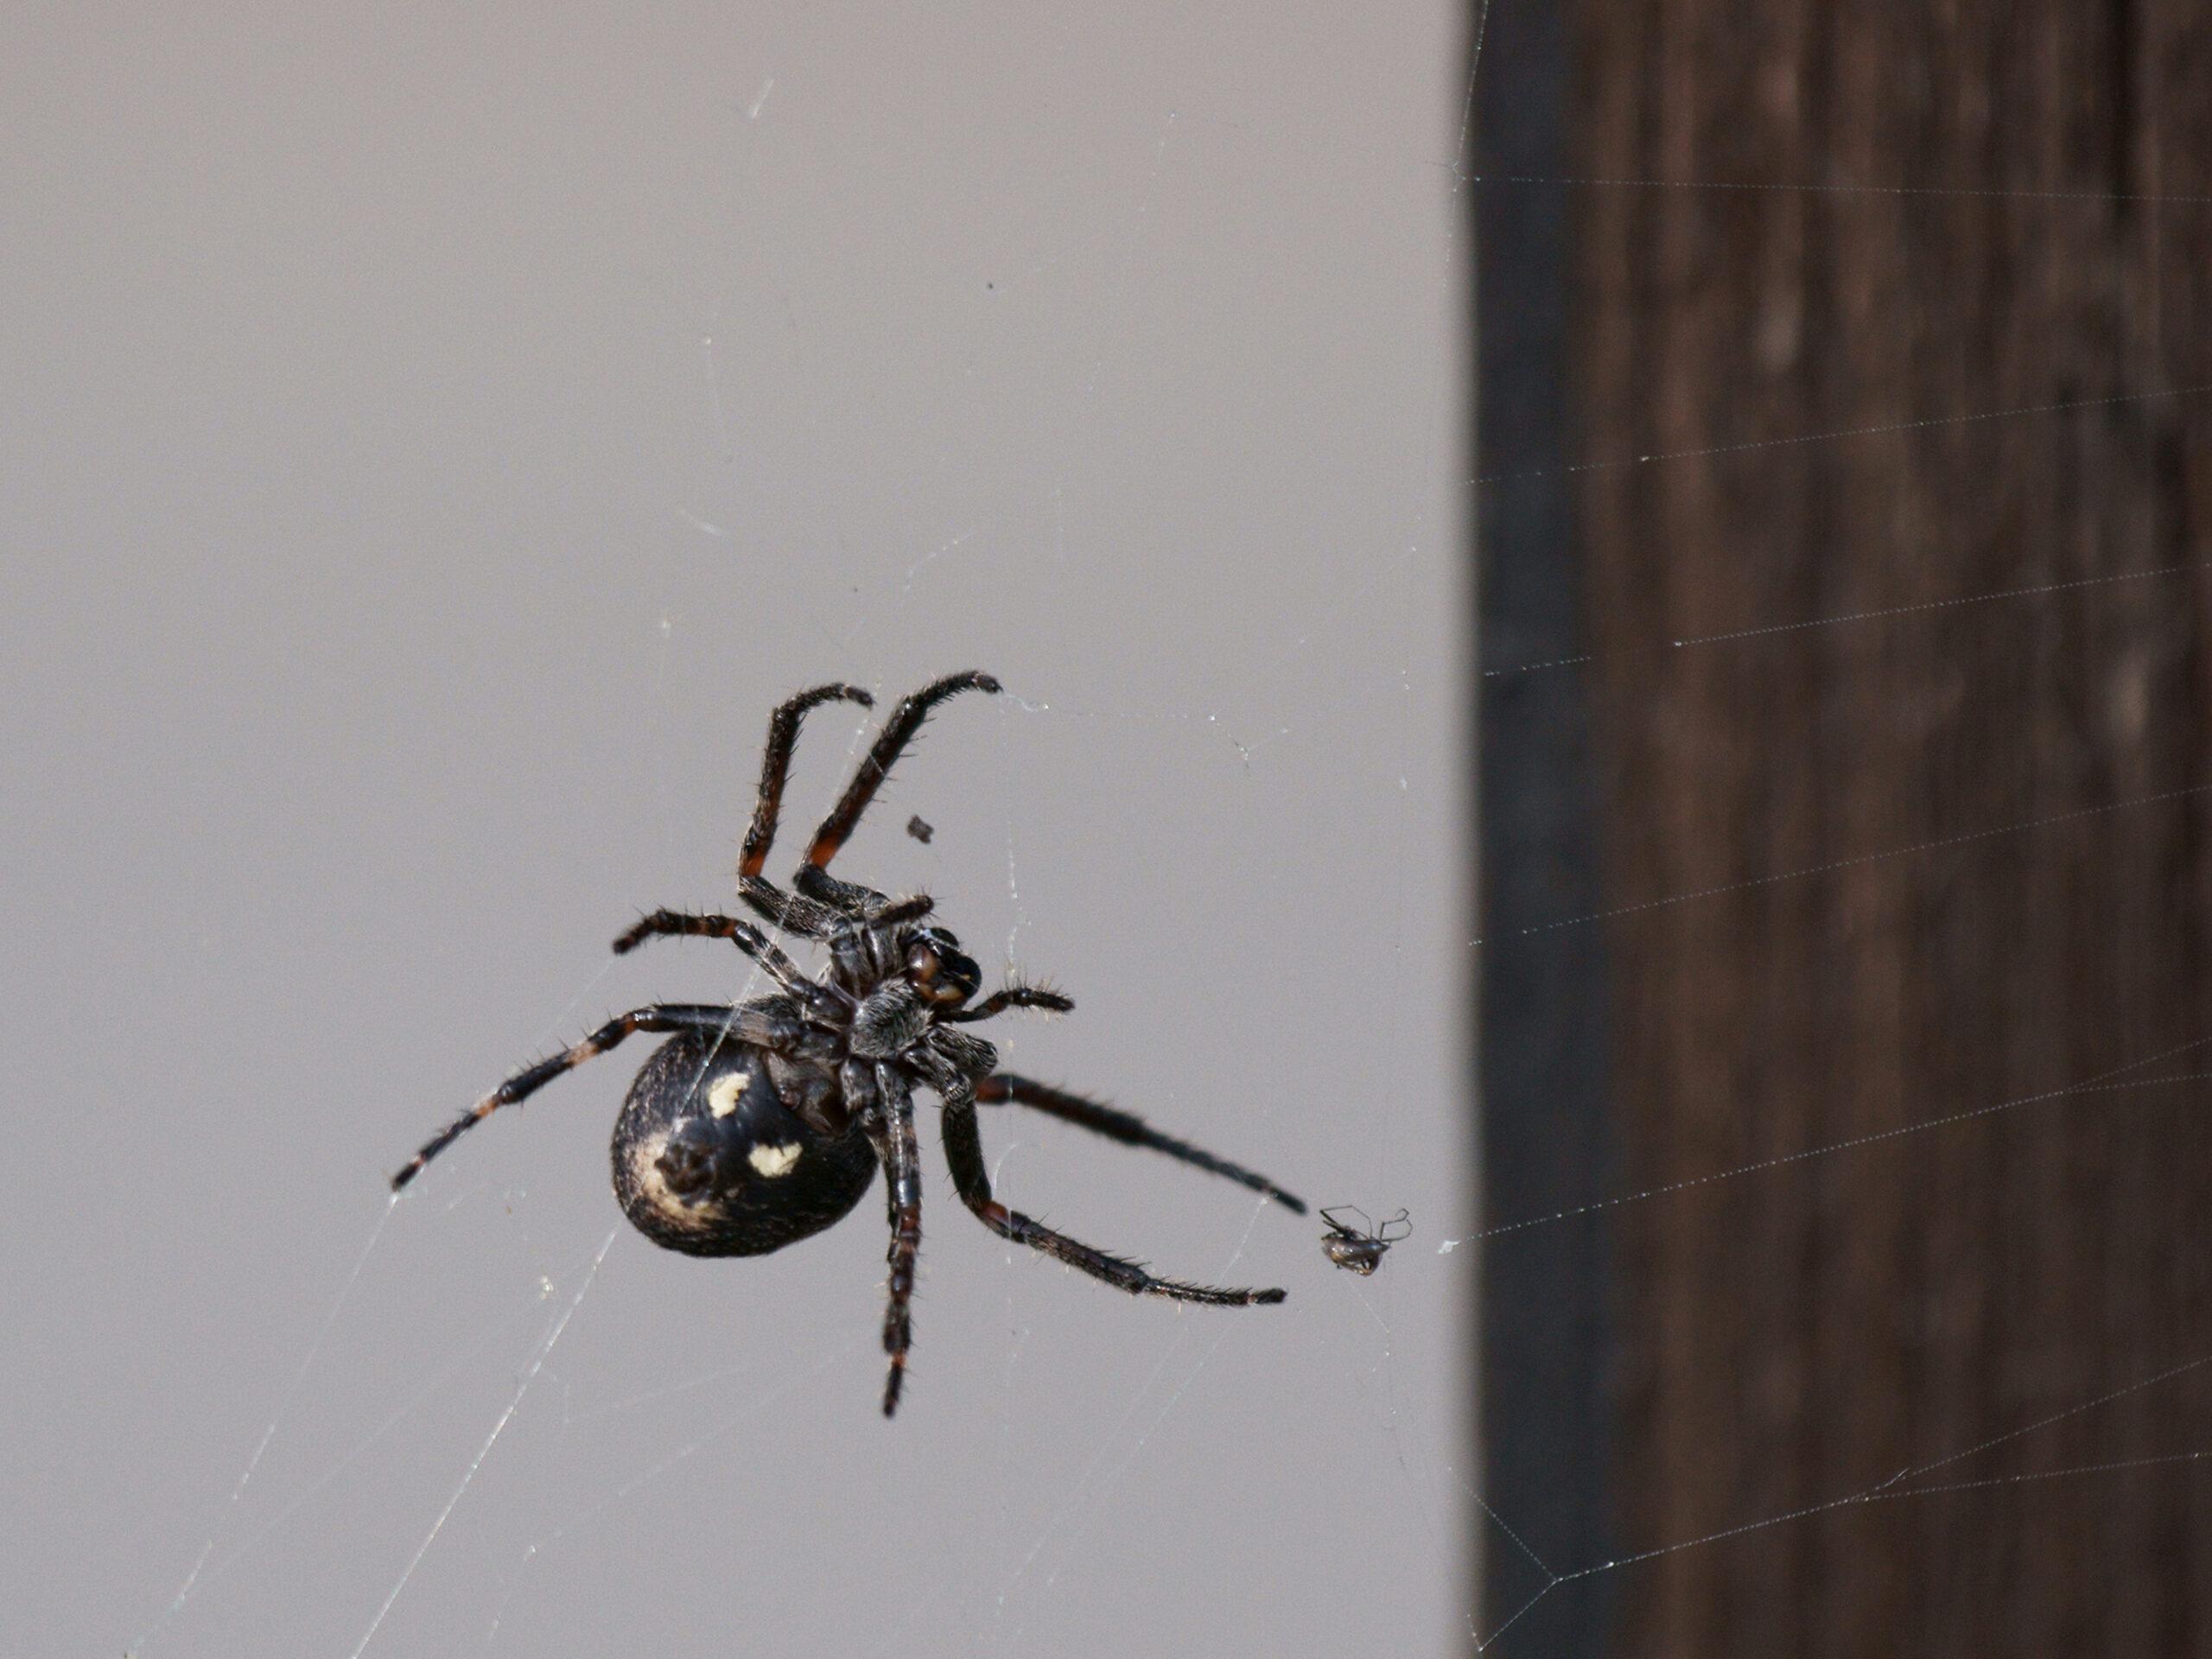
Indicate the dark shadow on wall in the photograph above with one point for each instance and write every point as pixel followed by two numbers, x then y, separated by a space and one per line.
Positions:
pixel 1541 1060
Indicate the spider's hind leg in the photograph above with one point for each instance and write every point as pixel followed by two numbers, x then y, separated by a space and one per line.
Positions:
pixel 963 1151
pixel 769 1024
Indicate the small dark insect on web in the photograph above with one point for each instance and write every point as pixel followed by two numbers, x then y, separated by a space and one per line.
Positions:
pixel 1356 1250
pixel 920 829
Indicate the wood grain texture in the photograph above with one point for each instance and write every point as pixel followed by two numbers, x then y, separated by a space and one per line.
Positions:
pixel 1800 1334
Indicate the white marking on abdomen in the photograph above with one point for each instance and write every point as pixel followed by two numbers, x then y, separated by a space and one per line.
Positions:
pixel 722 1093
pixel 773 1161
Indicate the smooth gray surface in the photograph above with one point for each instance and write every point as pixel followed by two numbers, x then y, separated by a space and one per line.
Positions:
pixel 433 442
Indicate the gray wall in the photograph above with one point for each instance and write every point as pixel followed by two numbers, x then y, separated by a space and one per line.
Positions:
pixel 433 442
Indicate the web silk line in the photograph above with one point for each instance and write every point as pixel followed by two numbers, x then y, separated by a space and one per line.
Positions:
pixel 192 1580
pixel 1751 187
pixel 752 1412
pixel 1882 1494
pixel 1459 173
pixel 514 1404
pixel 1925 424
pixel 1967 839
pixel 2098 1085
pixel 1897 1486
pixel 2166 1376
pixel 2039 590
pixel 414 1403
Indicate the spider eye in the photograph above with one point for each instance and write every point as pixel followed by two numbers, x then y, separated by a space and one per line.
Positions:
pixel 940 973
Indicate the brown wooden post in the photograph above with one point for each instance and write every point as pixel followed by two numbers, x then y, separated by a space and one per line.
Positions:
pixel 1915 314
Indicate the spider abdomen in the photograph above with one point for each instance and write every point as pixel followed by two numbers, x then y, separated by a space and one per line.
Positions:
pixel 707 1159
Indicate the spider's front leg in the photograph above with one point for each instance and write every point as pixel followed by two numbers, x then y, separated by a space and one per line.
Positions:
pixel 814 879
pixel 1011 996
pixel 789 911
pixel 776 767
pixel 1127 1127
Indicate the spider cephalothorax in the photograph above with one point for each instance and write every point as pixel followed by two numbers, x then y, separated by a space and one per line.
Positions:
pixel 759 1124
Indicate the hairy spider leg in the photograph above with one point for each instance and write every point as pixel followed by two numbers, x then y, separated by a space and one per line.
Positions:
pixel 898 911
pixel 776 767
pixel 1125 1127
pixel 814 879
pixel 794 914
pixel 747 938
pixel 1011 996
pixel 963 1150
pixel 891 1130
pixel 768 1025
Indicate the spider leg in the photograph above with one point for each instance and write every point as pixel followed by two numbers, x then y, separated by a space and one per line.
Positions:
pixel 891 1130
pixel 1012 996
pixel 776 765
pixel 788 912
pixel 742 934
pixel 791 913
pixel 963 1150
pixel 898 911
pixel 1125 1127
pixel 769 1024
pixel 813 878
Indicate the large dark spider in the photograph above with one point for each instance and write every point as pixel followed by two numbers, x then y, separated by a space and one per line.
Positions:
pixel 756 1125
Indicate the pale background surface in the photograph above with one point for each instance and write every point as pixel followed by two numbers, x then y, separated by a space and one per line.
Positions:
pixel 434 443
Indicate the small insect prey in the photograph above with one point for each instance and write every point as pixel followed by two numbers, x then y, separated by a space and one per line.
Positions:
pixel 756 1125
pixel 920 829
pixel 1360 1250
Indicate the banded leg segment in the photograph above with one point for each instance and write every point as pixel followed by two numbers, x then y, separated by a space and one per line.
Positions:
pixel 963 1150
pixel 787 974
pixel 1125 1127
pixel 760 1027
pixel 899 1147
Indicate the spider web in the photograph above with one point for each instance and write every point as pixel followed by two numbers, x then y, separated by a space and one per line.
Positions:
pixel 828 347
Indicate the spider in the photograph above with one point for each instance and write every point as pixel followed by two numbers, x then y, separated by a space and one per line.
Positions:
pixel 1357 1251
pixel 756 1126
